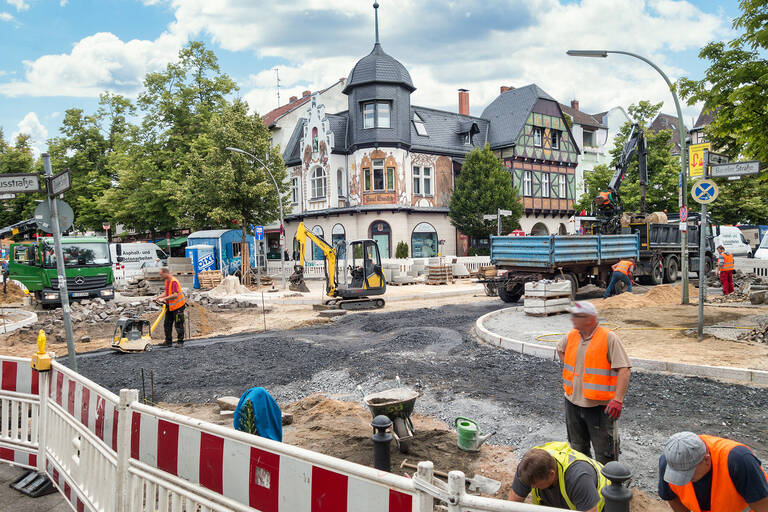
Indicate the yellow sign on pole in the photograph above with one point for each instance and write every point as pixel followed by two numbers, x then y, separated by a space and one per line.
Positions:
pixel 696 159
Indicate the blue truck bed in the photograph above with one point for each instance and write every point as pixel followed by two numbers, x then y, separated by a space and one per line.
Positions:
pixel 555 251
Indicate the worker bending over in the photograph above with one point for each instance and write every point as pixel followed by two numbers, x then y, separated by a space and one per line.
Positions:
pixel 707 473
pixel 561 477
pixel 725 267
pixel 596 373
pixel 622 271
pixel 174 301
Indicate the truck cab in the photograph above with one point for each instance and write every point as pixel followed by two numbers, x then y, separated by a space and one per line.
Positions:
pixel 87 264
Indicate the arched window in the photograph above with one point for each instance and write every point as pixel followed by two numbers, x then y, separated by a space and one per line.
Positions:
pixel 318 183
pixel 424 241
pixel 382 234
pixel 317 253
pixel 539 229
pixel 340 181
pixel 338 235
pixel 562 230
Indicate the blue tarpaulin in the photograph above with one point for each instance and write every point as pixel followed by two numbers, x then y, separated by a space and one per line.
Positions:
pixel 267 415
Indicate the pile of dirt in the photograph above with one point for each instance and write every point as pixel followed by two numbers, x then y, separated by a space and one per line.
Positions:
pixel 665 294
pixel 228 287
pixel 13 293
pixel 759 334
pixel 730 298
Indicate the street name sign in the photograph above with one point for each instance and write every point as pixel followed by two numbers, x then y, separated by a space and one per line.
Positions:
pixel 7 196
pixel 704 191
pixel 60 183
pixel 717 158
pixel 505 212
pixel 489 217
pixel 735 169
pixel 21 182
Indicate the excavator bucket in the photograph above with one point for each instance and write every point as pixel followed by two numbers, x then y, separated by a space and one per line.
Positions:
pixel 296 280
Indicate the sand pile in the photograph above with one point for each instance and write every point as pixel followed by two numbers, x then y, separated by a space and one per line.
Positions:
pixel 656 296
pixel 228 287
pixel 13 293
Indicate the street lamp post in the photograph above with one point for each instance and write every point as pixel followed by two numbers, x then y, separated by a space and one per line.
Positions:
pixel 280 204
pixel 683 171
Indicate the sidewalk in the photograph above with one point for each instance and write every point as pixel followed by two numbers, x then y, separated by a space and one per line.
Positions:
pixel 12 500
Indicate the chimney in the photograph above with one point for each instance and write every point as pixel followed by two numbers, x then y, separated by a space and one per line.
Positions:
pixel 292 99
pixel 575 104
pixel 464 102
pixel 505 88
pixel 305 94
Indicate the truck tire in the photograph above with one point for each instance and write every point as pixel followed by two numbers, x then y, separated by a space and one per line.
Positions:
pixel 657 272
pixel 574 284
pixel 513 295
pixel 491 290
pixel 671 269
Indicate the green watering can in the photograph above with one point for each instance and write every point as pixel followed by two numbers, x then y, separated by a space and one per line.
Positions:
pixel 470 438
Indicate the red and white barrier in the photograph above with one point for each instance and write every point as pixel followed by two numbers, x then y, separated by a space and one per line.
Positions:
pixel 19 412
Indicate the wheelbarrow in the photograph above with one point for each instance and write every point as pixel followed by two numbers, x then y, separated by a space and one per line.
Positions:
pixel 396 404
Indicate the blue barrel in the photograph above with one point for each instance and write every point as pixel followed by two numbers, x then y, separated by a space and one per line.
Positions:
pixel 202 259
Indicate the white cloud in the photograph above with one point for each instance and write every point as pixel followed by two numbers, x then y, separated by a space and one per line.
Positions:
pixel 63 3
pixel 31 126
pixel 6 16
pixel 20 5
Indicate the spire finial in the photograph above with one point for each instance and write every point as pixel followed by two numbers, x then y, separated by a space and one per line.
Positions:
pixel 376 16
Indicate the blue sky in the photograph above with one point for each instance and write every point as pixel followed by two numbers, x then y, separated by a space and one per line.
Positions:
pixel 60 54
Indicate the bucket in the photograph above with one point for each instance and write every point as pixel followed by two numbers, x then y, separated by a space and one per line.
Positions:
pixel 468 431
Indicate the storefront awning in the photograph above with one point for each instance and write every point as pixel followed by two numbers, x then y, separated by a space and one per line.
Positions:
pixel 174 242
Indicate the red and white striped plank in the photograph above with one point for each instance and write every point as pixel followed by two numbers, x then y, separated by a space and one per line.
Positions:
pixel 94 411
pixel 251 476
pixel 20 457
pixel 18 376
pixel 66 487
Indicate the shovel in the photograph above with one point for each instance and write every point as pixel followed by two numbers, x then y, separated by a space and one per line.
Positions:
pixel 477 483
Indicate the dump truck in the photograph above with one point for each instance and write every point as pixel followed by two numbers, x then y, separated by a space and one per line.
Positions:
pixel 580 259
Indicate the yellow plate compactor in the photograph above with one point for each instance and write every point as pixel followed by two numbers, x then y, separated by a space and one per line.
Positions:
pixel 129 334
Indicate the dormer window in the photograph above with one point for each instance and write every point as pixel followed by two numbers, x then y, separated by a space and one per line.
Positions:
pixel 466 139
pixel 418 123
pixel 376 114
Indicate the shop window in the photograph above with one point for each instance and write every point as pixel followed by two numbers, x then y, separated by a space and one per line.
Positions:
pixel 424 242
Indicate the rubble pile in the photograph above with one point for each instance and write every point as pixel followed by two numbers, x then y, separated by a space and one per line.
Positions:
pixel 140 287
pixel 223 303
pixel 759 334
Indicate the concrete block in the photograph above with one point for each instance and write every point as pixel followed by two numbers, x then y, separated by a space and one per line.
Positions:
pixel 547 288
pixel 648 364
pixel 387 274
pixel 759 377
pixel 460 270
pixel 227 403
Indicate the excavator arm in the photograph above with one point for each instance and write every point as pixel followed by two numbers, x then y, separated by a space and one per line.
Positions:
pixel 329 253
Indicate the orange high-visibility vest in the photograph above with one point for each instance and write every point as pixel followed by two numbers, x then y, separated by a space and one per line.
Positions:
pixel 623 266
pixel 727 261
pixel 723 496
pixel 180 300
pixel 599 380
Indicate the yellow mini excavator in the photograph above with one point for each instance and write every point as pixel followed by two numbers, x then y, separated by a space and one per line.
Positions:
pixel 366 278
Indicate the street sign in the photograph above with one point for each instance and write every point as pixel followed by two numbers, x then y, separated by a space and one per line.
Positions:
pixel 7 196
pixel 735 169
pixel 696 159
pixel 717 159
pixel 20 182
pixel 60 183
pixel 704 191
pixel 489 217
pixel 258 232
pixel 505 212
pixel 43 216
pixel 683 213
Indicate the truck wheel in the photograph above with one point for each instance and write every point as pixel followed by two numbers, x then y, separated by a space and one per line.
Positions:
pixel 574 284
pixel 511 295
pixel 671 270
pixel 657 272
pixel 491 290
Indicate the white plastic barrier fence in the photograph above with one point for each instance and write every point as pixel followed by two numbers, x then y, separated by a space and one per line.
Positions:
pixel 114 454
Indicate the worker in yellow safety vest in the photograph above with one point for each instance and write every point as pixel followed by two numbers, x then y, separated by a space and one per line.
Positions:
pixel 174 300
pixel 558 476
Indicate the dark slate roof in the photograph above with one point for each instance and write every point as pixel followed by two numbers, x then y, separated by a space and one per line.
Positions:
pixel 668 122
pixel 338 122
pixel 378 67
pixel 291 153
pixel 705 118
pixel 601 116
pixel 509 112
pixel 444 129
pixel 582 118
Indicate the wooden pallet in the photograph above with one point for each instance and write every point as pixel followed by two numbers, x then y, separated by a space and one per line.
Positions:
pixel 393 283
pixel 209 279
pixel 433 283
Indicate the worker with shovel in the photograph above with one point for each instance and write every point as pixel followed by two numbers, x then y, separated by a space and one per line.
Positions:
pixel 596 372
pixel 559 476
pixel 622 272
pixel 700 472
pixel 174 300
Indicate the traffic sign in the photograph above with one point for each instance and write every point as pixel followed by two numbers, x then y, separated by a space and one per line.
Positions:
pixel 683 213
pixel 717 158
pixel 43 216
pixel 704 191
pixel 60 183
pixel 505 212
pixel 19 182
pixel 258 232
pixel 7 196
pixel 696 159
pixel 735 169
pixel 489 217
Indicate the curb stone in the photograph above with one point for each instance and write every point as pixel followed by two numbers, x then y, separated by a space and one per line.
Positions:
pixel 741 375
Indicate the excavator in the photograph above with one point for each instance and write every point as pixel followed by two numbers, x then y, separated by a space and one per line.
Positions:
pixel 366 275
pixel 608 202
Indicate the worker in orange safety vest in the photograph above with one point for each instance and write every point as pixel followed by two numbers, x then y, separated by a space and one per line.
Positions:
pixel 174 300
pixel 622 271
pixel 725 266
pixel 596 371
pixel 701 473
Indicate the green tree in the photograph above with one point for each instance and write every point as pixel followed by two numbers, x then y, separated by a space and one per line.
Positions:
pixel 226 189
pixel 483 186
pixel 402 250
pixel 663 167
pixel 18 158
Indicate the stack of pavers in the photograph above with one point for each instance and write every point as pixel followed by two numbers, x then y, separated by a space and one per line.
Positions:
pixel 438 273
pixel 545 297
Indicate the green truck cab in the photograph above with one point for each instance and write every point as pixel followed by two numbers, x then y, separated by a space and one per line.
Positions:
pixel 87 263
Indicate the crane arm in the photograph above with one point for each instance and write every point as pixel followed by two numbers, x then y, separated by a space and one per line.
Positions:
pixel 635 143
pixel 329 253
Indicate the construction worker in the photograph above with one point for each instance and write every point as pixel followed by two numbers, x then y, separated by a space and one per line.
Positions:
pixel 622 271
pixel 725 267
pixel 174 301
pixel 596 372
pixel 559 476
pixel 706 473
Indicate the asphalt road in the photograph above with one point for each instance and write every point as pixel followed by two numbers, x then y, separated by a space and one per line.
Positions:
pixel 434 350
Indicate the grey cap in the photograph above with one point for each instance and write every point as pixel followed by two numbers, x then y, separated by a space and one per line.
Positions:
pixel 583 308
pixel 683 452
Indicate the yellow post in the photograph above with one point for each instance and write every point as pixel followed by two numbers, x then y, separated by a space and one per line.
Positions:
pixel 42 360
